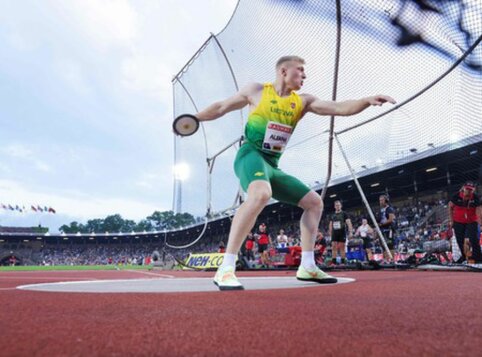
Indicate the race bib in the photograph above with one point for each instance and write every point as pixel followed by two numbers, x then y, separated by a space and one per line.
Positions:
pixel 336 225
pixel 276 137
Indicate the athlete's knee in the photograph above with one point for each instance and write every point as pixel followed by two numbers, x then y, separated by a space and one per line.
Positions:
pixel 261 197
pixel 312 201
pixel 259 194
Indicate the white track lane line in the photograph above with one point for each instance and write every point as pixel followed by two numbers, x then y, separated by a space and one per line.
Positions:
pixel 151 274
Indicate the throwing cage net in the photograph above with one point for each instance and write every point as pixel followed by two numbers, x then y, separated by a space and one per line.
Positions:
pixel 426 54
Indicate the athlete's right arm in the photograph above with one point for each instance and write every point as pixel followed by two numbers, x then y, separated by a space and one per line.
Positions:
pixel 237 101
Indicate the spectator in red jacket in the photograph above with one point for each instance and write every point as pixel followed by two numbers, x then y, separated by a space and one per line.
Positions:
pixel 465 214
pixel 249 247
pixel 263 242
pixel 221 248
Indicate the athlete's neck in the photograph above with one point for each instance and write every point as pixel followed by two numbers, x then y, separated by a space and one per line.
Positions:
pixel 282 89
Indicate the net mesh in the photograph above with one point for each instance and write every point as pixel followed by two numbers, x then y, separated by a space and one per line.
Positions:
pixel 405 49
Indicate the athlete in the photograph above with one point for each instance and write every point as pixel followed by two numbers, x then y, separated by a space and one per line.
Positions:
pixel 339 222
pixel 275 110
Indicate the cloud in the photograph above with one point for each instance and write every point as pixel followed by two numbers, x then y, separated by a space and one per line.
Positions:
pixel 145 73
pixel 5 168
pixel 42 166
pixel 153 181
pixel 20 42
pixel 72 74
pixel 74 204
pixel 101 118
pixel 103 24
pixel 19 151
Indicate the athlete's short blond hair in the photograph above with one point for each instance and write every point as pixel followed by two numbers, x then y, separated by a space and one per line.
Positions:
pixel 288 59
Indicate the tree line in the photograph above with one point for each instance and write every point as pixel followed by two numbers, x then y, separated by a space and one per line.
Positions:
pixel 157 221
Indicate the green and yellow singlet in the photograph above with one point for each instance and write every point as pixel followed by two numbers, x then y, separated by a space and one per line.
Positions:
pixel 272 122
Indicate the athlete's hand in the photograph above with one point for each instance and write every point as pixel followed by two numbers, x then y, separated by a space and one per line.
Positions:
pixel 380 99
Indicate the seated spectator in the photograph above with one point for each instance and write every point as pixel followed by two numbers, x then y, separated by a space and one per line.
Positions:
pixel 320 247
pixel 282 240
pixel 365 232
pixel 221 248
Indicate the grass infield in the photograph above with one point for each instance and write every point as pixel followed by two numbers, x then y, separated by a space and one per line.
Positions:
pixel 72 267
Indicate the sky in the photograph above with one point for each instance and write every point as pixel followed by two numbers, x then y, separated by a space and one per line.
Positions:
pixel 86 104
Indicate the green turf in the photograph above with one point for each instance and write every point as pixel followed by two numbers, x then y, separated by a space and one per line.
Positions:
pixel 71 267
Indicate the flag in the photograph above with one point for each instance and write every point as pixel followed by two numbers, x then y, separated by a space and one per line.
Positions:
pixel 34 209
pixel 51 210
pixel 39 208
pixel 11 208
pixel 4 207
pixel 46 209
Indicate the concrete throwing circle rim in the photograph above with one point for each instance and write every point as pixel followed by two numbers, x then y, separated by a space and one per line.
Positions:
pixel 177 285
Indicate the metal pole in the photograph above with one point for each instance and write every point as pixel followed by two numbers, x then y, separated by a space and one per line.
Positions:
pixel 365 201
pixel 333 97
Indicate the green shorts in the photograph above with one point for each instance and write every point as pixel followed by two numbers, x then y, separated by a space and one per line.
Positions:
pixel 251 165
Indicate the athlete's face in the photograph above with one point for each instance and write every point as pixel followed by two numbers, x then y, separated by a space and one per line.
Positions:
pixel 364 222
pixel 337 206
pixel 383 201
pixel 294 74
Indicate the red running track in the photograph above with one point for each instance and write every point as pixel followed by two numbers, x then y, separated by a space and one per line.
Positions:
pixel 383 313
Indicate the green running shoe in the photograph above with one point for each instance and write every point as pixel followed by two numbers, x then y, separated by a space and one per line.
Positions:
pixel 317 275
pixel 226 280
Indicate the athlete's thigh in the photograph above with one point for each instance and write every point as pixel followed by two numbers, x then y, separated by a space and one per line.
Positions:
pixel 250 166
pixel 287 188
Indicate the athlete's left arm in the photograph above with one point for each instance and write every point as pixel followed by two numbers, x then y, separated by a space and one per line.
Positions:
pixel 345 108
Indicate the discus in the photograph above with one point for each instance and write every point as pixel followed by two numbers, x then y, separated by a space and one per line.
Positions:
pixel 185 125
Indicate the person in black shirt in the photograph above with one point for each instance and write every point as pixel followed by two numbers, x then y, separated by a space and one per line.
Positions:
pixel 337 230
pixel 386 222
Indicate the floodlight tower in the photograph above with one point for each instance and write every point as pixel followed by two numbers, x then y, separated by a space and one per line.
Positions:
pixel 181 173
